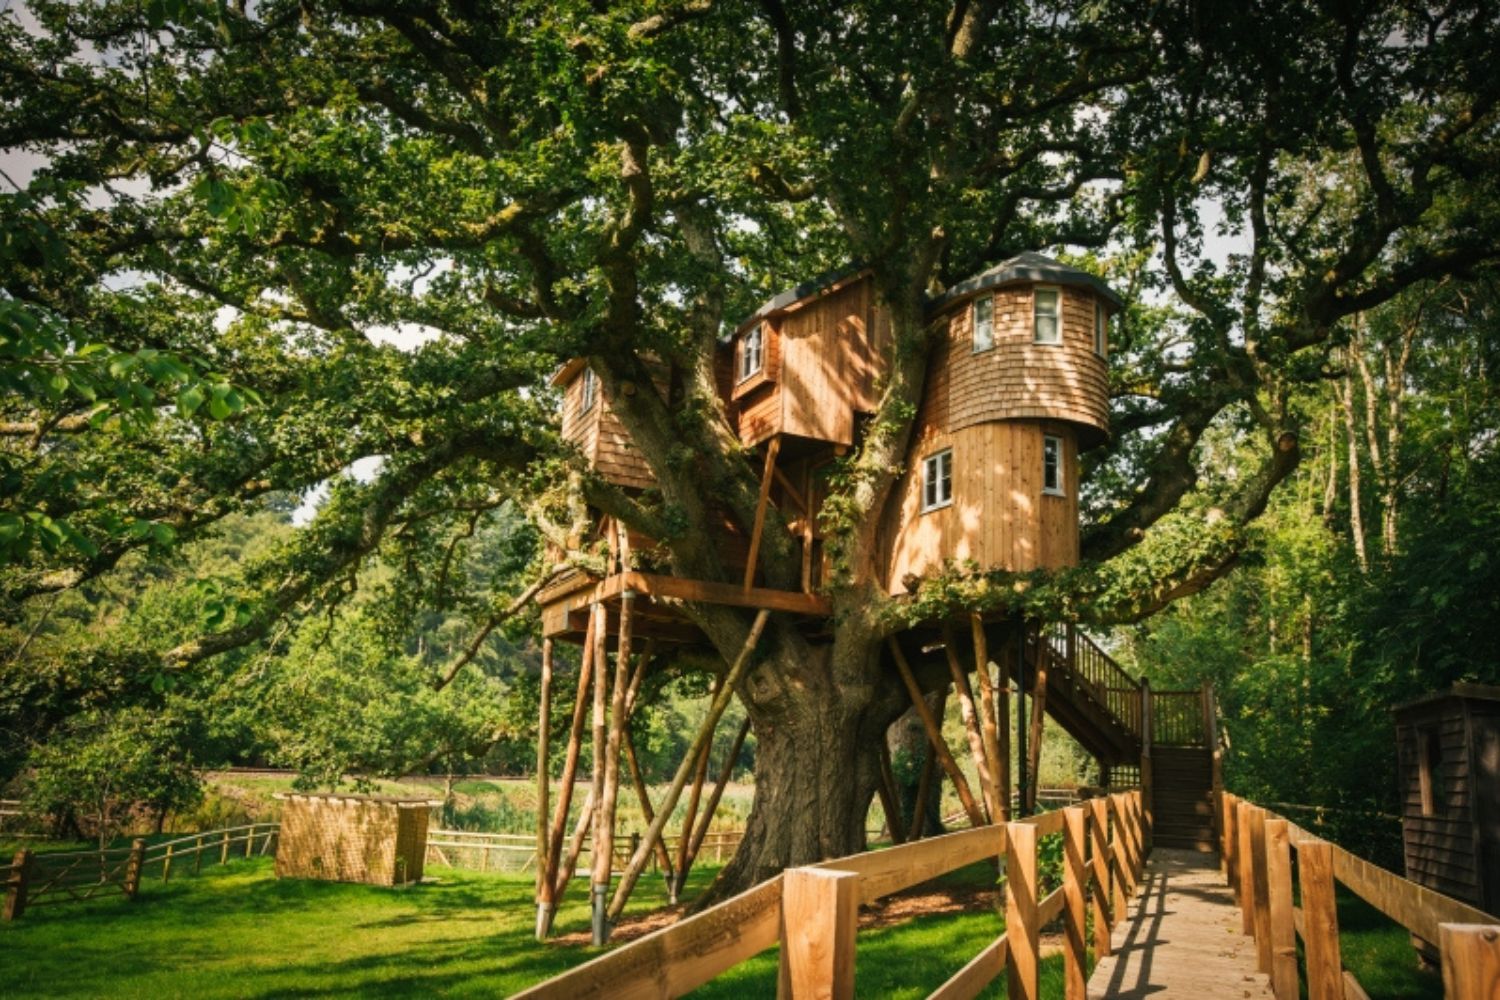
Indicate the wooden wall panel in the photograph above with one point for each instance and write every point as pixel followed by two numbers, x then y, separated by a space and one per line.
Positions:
pixel 1440 848
pixel 828 360
pixel 601 437
pixel 999 518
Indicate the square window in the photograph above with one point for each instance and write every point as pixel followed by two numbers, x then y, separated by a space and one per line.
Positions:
pixel 1045 304
pixel 752 351
pixel 1101 328
pixel 937 480
pixel 984 323
pixel 1052 459
pixel 590 390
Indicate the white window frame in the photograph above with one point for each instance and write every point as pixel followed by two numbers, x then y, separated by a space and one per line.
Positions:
pixel 1056 315
pixel 589 390
pixel 756 335
pixel 1101 329
pixel 988 342
pixel 1054 443
pixel 937 471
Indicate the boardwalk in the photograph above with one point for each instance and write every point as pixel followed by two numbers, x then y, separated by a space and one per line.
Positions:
pixel 1181 938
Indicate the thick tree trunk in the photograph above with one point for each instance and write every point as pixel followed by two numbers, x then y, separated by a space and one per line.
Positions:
pixel 816 766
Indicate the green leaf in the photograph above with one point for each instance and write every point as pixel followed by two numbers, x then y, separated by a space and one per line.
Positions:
pixel 189 399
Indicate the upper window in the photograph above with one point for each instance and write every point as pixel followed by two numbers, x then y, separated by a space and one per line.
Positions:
pixel 752 351
pixel 937 480
pixel 1046 309
pixel 590 390
pixel 984 323
pixel 1101 329
pixel 1052 465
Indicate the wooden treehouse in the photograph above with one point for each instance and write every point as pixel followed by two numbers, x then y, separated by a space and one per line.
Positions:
pixel 1017 387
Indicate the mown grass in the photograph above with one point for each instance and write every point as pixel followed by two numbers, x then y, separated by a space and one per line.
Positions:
pixel 237 931
pixel 1379 953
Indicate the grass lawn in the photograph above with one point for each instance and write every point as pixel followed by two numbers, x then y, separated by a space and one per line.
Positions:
pixel 237 931
pixel 1379 953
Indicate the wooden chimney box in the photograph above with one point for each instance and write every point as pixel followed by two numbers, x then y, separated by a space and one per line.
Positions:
pixel 1450 790
pixel 375 839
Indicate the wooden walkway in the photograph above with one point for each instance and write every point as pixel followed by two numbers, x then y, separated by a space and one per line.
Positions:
pixel 1180 938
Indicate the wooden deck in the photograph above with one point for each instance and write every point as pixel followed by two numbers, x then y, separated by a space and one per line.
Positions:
pixel 1181 938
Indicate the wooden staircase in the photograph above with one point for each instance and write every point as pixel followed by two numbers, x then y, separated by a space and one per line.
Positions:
pixel 1170 736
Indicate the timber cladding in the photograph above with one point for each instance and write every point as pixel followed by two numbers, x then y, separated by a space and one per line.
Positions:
pixel 1017 377
pixel 1449 755
pixel 374 839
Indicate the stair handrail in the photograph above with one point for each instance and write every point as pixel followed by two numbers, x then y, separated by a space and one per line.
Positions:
pixel 1109 682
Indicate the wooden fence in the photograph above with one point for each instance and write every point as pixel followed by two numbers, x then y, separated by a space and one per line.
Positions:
pixel 1260 850
pixel 813 913
pixel 516 852
pixel 36 879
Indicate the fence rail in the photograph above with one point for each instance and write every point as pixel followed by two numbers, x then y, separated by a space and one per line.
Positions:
pixel 813 912
pixel 38 879
pixel 1258 851
pixel 516 852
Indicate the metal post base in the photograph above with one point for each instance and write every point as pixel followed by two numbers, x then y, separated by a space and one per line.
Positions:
pixel 601 918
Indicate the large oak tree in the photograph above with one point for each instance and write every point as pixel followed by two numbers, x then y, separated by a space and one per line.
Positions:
pixel 275 190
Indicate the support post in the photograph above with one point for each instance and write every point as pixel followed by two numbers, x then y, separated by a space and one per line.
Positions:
pixel 890 801
pixel 198 855
pixel 546 907
pixel 725 774
pixel 1283 930
pixel 224 849
pixel 133 866
pixel 1471 961
pixel 935 736
pixel 1022 778
pixel 1002 725
pixel 1320 921
pixel 543 763
pixel 1260 873
pixel 760 510
pixel 599 881
pixel 684 842
pixel 1104 920
pixel 17 884
pixel 663 856
pixel 604 830
pixel 166 864
pixel 987 719
pixel 972 732
pixel 1021 930
pixel 1229 859
pixel 819 919
pixel 1038 720
pixel 705 733
pixel 925 781
pixel 1075 877
pixel 1211 734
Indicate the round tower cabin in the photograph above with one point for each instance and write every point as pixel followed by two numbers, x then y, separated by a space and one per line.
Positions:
pixel 1017 385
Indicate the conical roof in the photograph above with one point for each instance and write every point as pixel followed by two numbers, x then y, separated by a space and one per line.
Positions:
pixel 1028 268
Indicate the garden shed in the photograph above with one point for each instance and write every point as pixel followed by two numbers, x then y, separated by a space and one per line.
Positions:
pixel 375 839
pixel 1450 792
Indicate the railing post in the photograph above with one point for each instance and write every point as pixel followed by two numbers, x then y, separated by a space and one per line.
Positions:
pixel 224 851
pixel 133 867
pixel 249 840
pixel 1103 914
pixel 1148 778
pixel 166 865
pixel 1283 936
pixel 1471 961
pixel 1075 877
pixel 1021 931
pixel 1261 875
pixel 1245 853
pixel 1228 853
pixel 198 854
pixel 1320 921
pixel 15 888
pixel 819 918
pixel 1117 850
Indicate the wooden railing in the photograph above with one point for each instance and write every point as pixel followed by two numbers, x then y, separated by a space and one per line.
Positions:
pixel 813 913
pixel 1258 850
pixel 36 879
pixel 1109 683
pixel 1177 719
